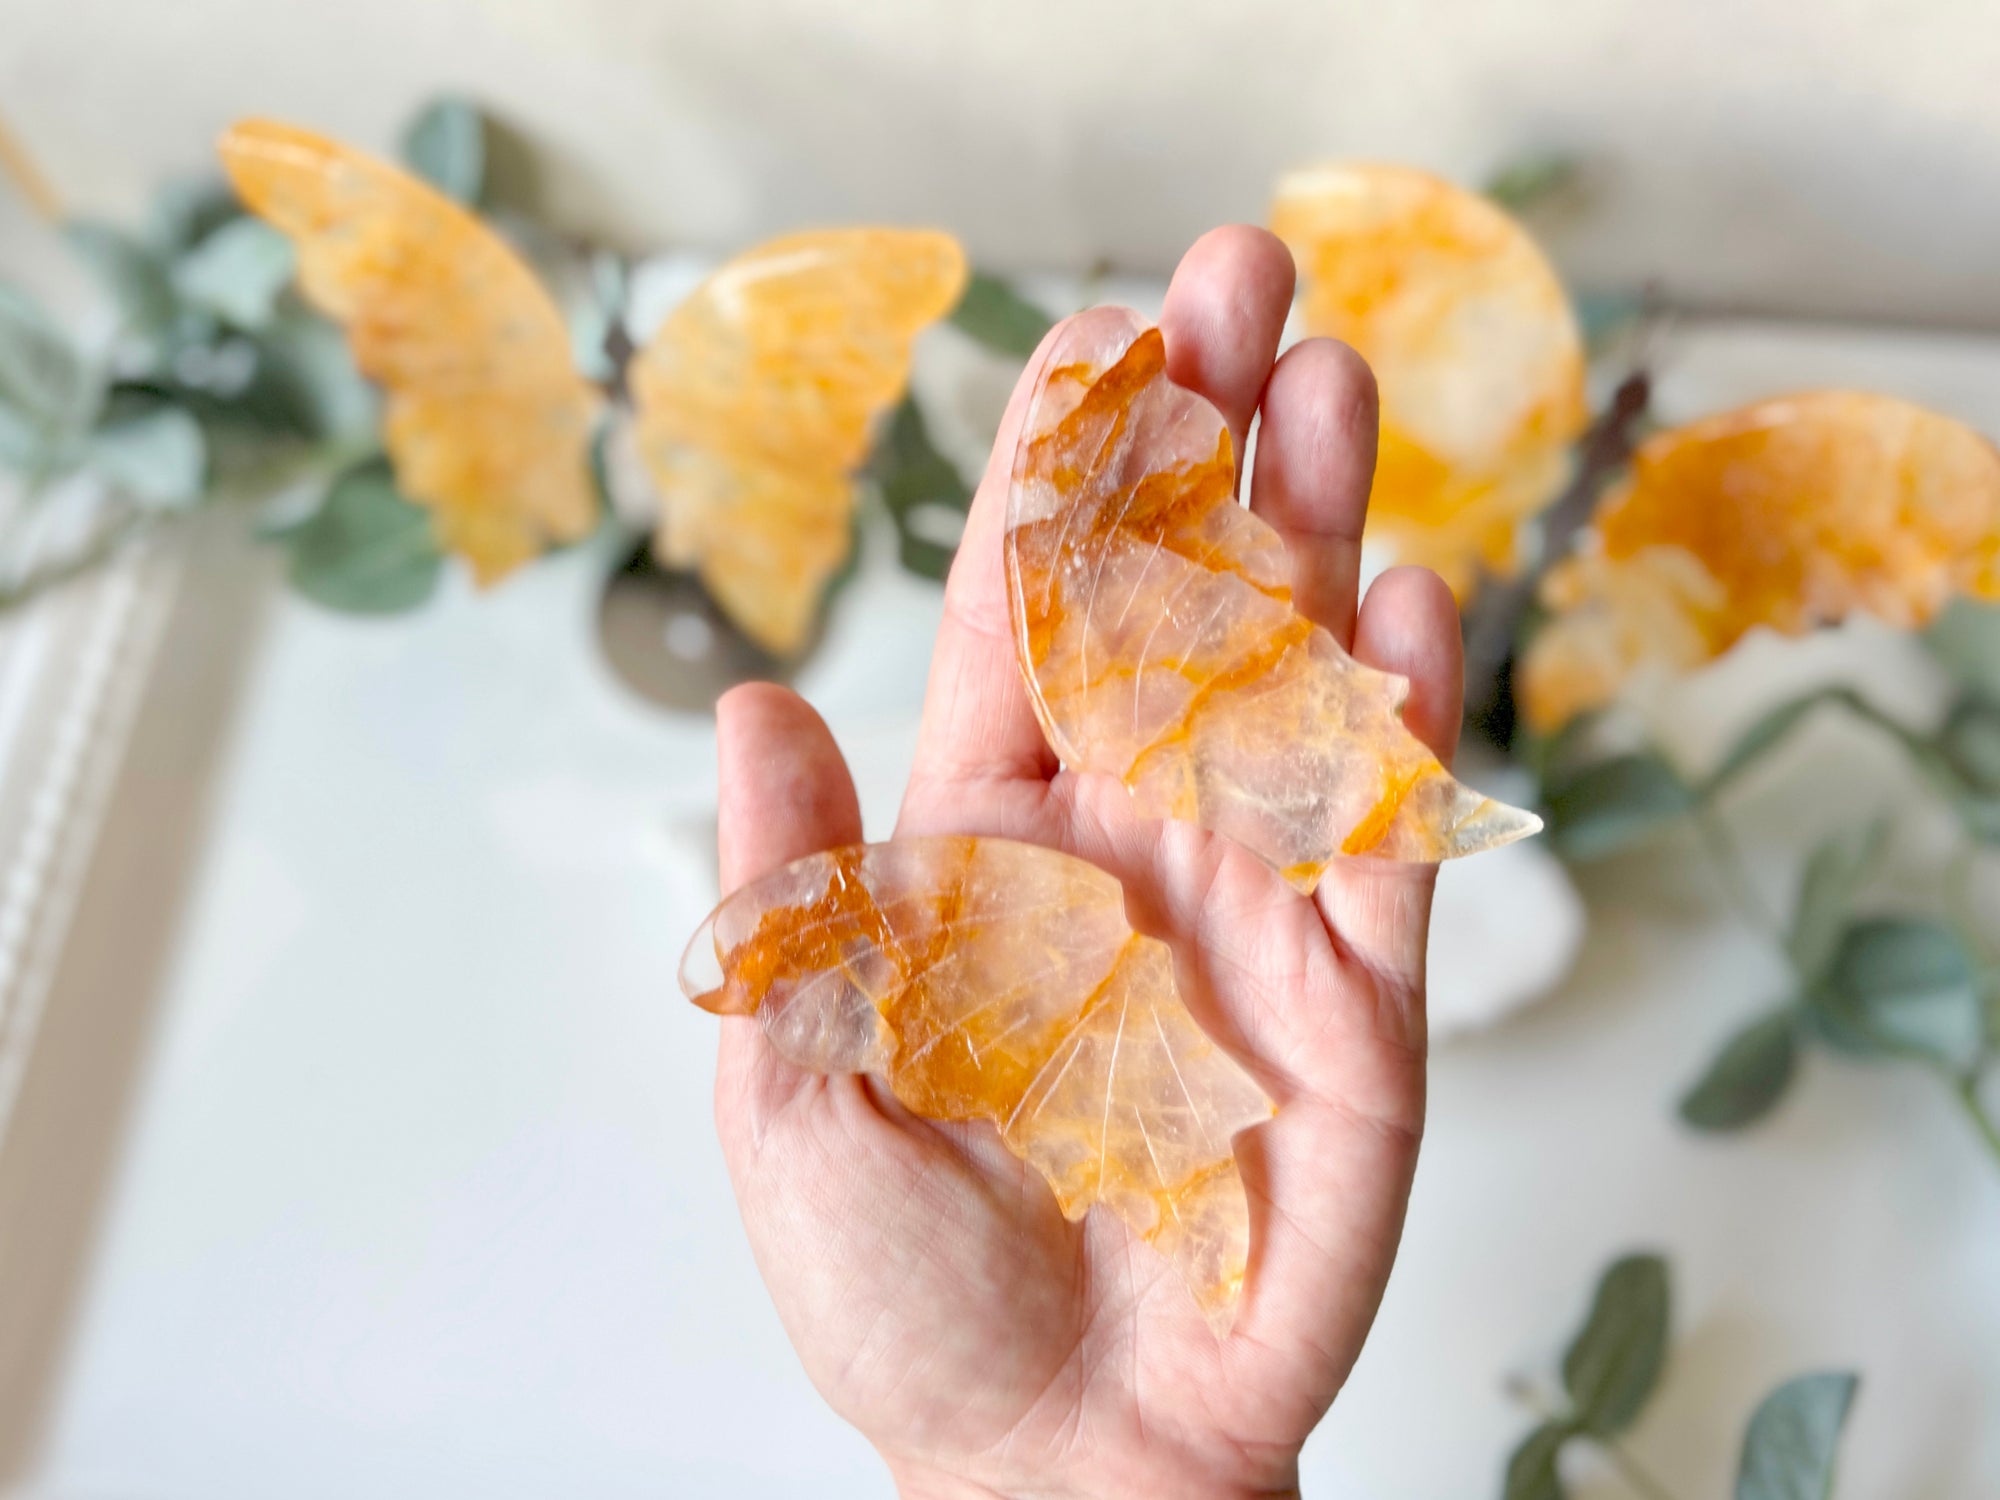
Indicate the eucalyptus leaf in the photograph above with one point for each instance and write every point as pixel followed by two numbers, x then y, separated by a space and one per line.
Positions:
pixel 1614 1362
pixel 238 272
pixel 186 211
pixel 306 381
pixel 915 478
pixel 136 279
pixel 367 550
pixel 47 394
pixel 1531 1470
pixel 1529 181
pixel 1793 1438
pixel 446 146
pixel 1971 739
pixel 1946 764
pixel 1904 987
pixel 1965 638
pixel 1604 316
pixel 157 457
pixel 1834 875
pixel 1748 1076
pixel 1603 807
pixel 1964 760
pixel 999 317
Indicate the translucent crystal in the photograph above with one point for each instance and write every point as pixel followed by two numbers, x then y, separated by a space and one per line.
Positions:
pixel 487 421
pixel 988 980
pixel 755 403
pixel 754 400
pixel 1474 346
pixel 1790 514
pixel 1155 626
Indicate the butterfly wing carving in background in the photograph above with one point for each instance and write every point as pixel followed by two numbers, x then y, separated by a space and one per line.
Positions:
pixel 1154 620
pixel 989 980
pixel 1790 514
pixel 756 401
pixel 1475 348
pixel 487 421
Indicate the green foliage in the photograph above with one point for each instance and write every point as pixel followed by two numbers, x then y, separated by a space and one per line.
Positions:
pixel 1899 987
pixel 1790 1445
pixel 305 383
pixel 186 210
pixel 1835 874
pixel 1531 1471
pixel 1614 1362
pixel 1748 1076
pixel 1874 987
pixel 1611 1371
pixel 151 451
pixel 218 377
pixel 919 485
pixel 445 144
pixel 1965 638
pixel 1963 763
pixel 47 396
pixel 1608 1373
pixel 1765 733
pixel 1600 808
pixel 1755 1066
pixel 1604 317
pixel 999 317
pixel 137 280
pixel 1529 182
pixel 237 272
pixel 367 550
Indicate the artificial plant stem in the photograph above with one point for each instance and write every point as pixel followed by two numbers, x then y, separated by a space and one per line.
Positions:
pixel 1494 618
pixel 34 186
pixel 1967 1091
pixel 1728 861
pixel 1635 1473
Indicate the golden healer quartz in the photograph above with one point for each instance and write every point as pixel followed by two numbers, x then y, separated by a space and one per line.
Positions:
pixel 487 421
pixel 756 403
pixel 1788 514
pixel 1474 345
pixel 1155 627
pixel 753 403
pixel 983 979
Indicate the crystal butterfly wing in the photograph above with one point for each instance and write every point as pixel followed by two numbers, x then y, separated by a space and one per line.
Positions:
pixel 1155 628
pixel 1788 514
pixel 989 980
pixel 756 399
pixel 487 421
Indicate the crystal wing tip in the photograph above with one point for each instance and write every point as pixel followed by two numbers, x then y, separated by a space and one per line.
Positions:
pixel 1489 825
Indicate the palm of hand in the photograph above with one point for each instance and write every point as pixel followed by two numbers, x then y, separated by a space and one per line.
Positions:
pixel 938 1298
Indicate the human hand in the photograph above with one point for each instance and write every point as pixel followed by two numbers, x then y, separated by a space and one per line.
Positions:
pixel 937 1296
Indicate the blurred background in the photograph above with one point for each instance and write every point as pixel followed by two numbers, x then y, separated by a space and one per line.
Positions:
pixel 354 1138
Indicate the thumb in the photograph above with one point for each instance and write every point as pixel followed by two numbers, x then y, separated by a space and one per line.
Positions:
pixel 785 792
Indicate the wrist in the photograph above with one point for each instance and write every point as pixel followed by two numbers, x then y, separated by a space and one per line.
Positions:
pixel 915 1481
pixel 919 1482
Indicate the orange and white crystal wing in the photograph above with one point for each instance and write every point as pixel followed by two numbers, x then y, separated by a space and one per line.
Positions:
pixel 1476 352
pixel 756 399
pixel 1154 621
pixel 1790 514
pixel 989 980
pixel 487 421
